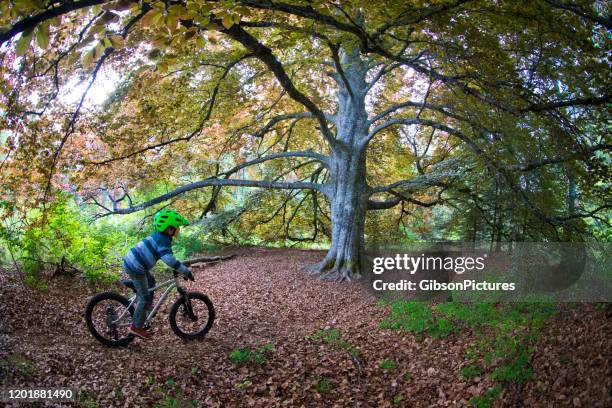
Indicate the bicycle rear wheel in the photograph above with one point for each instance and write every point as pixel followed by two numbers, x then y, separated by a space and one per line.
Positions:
pixel 192 316
pixel 101 314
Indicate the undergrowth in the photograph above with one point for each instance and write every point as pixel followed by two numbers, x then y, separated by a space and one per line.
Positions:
pixel 506 333
pixel 242 356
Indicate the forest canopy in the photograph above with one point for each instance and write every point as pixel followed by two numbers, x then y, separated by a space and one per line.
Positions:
pixel 305 122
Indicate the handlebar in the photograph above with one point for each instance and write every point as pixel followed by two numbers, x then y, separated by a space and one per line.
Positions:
pixel 176 273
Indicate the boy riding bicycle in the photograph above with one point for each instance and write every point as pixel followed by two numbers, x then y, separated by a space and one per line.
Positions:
pixel 144 255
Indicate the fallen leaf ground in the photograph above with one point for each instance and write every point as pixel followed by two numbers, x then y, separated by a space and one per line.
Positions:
pixel 266 296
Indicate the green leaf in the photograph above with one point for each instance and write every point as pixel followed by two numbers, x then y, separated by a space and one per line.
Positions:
pixel 212 26
pixel 227 21
pixel 202 20
pixel 96 29
pixel 162 67
pixel 24 43
pixel 151 18
pixel 86 41
pixel 200 41
pixel 116 41
pixel 190 34
pixel 243 11
pixel 99 50
pixel 87 57
pixel 42 35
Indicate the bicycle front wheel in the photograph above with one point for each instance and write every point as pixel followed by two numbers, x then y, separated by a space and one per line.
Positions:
pixel 108 320
pixel 192 316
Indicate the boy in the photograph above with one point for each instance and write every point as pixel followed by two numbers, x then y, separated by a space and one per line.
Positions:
pixel 140 259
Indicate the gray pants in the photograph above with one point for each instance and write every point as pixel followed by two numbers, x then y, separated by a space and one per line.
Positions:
pixel 144 298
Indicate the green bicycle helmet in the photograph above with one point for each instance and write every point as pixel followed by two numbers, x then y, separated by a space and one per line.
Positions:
pixel 168 218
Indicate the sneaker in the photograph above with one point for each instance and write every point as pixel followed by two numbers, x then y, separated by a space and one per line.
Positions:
pixel 142 333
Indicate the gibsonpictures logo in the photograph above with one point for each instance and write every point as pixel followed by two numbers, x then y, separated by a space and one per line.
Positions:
pixel 518 271
pixel 434 285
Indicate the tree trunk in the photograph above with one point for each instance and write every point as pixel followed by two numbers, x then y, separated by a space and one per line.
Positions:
pixel 348 201
pixel 347 190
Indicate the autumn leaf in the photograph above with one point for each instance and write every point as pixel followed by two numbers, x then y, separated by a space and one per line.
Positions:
pixel 99 49
pixel 56 21
pixel 152 18
pixel 121 5
pixel 96 29
pixel 190 34
pixel 42 35
pixel 87 57
pixel 107 17
pixel 162 67
pixel 200 41
pixel 227 21
pixel 212 26
pixel 243 11
pixel 24 43
pixel 116 41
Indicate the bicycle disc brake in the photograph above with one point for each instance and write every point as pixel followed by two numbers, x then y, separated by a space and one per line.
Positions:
pixel 111 316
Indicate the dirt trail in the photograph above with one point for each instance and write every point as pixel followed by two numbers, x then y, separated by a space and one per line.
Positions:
pixel 261 296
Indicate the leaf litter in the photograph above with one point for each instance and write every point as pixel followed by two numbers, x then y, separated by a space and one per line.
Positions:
pixel 266 297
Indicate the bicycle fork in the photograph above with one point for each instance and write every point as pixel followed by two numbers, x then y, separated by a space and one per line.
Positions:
pixel 187 308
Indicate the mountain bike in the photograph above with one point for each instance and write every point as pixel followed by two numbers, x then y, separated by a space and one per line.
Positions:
pixel 109 314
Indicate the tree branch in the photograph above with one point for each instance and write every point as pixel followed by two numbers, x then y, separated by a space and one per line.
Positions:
pixel 555 160
pixel 73 119
pixel 304 11
pixel 206 117
pixel 422 15
pixel 336 57
pixel 594 100
pixel 413 121
pixel 28 23
pixel 298 115
pixel 385 69
pixel 606 22
pixel 215 182
pixel 319 157
pixel 267 57
pixel 440 171
pixel 398 198
pixel 438 108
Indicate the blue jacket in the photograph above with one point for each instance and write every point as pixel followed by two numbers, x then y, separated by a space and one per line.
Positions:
pixel 145 254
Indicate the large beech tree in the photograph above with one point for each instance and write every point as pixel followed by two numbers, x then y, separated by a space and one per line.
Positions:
pixel 367 104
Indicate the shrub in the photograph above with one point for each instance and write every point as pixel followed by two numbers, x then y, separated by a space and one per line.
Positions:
pixel 506 332
pixel 333 338
pixel 323 386
pixel 471 371
pixel 64 236
pixel 387 365
pixel 486 400
pixel 243 356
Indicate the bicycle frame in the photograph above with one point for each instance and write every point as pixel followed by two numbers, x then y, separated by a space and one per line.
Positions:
pixel 171 283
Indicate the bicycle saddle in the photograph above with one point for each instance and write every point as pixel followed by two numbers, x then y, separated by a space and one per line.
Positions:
pixel 129 284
